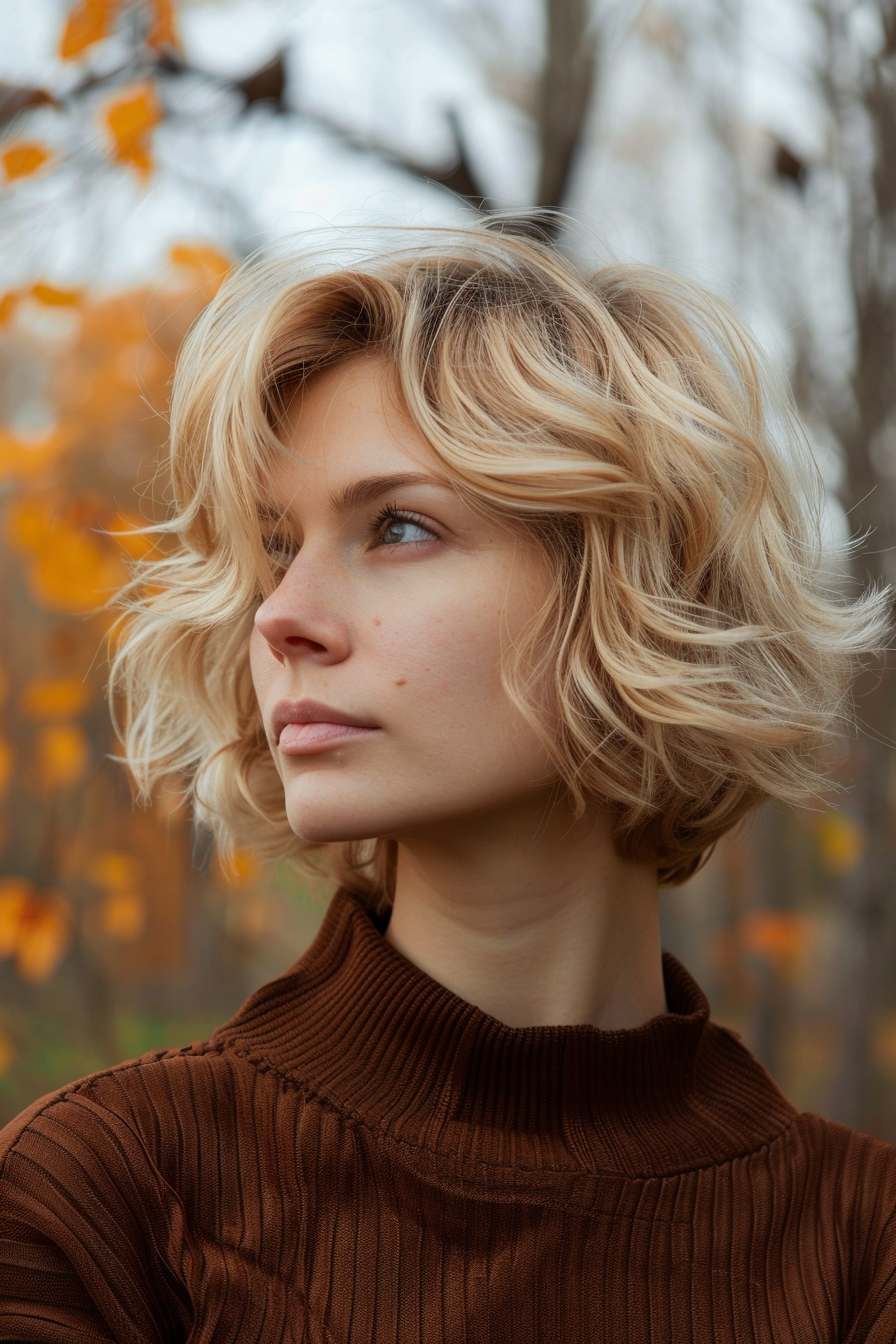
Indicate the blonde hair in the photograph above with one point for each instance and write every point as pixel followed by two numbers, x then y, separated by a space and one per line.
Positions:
pixel 695 660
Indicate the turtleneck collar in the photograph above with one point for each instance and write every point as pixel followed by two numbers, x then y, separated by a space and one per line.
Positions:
pixel 359 1026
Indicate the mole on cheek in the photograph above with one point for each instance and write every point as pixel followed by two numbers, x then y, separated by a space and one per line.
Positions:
pixel 402 681
pixel 377 621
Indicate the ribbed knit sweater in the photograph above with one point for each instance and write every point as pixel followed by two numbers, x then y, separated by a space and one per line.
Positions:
pixel 361 1157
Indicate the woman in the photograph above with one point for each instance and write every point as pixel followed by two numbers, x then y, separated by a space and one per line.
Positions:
pixel 496 592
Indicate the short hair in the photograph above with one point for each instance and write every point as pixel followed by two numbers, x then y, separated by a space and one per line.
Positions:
pixel 696 650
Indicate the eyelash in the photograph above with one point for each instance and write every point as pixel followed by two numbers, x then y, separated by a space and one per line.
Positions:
pixel 391 513
pixel 281 551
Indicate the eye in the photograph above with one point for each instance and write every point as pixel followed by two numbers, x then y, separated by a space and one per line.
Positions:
pixel 281 550
pixel 394 527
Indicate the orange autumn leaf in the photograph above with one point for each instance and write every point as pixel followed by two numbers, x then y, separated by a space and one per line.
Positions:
pixel 111 367
pixel 841 843
pixel 35 928
pixel 114 870
pixel 54 698
pixel 77 573
pixel 24 457
pixel 8 304
pixel 7 1052
pixel 89 21
pixel 15 893
pixel 123 910
pixel 163 34
pixel 70 566
pixel 5 765
pixel 239 868
pixel 62 755
pixel 206 262
pixel 5 749
pixel 130 120
pixel 778 937
pixel 54 297
pixel 883 1042
pixel 24 158
pixel 123 916
pixel 26 523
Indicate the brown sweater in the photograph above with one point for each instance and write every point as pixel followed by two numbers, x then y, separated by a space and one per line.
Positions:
pixel 360 1156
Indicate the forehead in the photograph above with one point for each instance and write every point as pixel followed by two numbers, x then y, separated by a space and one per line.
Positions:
pixel 349 421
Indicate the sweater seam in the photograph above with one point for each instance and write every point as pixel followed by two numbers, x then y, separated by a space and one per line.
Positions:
pixel 70 1090
pixel 311 1093
pixel 307 1089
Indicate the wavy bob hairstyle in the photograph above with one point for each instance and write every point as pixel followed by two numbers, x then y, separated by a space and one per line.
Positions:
pixel 694 657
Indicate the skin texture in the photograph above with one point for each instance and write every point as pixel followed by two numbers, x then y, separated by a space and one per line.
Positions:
pixel 500 895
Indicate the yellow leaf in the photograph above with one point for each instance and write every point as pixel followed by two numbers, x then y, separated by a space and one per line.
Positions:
pixel 26 524
pixel 21 457
pixel 15 894
pixel 35 927
pixel 123 916
pixel 54 698
pixel 5 765
pixel 8 303
pixel 62 755
pixel 54 297
pixel 163 34
pixel 205 261
pixel 114 870
pixel 23 158
pixel 89 21
pixel 77 575
pixel 7 1052
pixel 44 935
pixel 130 120
pixel 71 568
pixel 841 843
pixel 239 868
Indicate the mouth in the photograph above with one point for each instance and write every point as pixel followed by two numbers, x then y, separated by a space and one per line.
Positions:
pixel 304 726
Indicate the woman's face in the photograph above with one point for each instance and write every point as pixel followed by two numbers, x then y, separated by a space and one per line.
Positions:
pixel 393 603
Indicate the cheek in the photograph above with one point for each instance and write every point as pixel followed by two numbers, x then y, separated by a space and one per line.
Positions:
pixel 453 650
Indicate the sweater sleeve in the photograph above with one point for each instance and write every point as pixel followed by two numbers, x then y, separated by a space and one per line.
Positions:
pixel 91 1235
pixel 876 1320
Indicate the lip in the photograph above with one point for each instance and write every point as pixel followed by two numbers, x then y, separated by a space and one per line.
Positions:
pixel 313 725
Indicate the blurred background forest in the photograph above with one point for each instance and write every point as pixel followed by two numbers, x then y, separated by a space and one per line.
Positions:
pixel 145 146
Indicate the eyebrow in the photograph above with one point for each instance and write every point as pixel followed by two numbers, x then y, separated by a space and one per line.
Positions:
pixel 366 491
pixel 374 487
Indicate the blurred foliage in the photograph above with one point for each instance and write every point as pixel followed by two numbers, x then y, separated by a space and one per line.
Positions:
pixel 92 892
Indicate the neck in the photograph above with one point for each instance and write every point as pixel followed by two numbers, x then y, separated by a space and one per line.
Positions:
pixel 540 924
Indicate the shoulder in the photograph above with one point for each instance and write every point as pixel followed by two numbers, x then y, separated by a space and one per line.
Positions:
pixel 117 1101
pixel 96 1181
pixel 857 1170
pixel 156 1115
pixel 851 1179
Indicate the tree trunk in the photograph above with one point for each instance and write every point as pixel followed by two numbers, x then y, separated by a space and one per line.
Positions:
pixel 566 88
pixel 868 893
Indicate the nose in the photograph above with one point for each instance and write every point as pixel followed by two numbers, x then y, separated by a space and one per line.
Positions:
pixel 300 621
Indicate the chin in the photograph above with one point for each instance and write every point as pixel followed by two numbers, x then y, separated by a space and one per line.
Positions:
pixel 322 820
